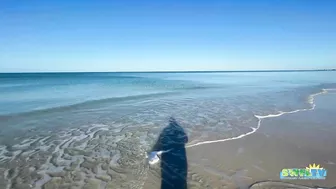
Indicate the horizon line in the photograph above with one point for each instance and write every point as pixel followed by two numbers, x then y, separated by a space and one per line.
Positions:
pixel 191 71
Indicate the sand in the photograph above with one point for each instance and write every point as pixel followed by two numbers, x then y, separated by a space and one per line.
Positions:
pixel 106 156
pixel 289 141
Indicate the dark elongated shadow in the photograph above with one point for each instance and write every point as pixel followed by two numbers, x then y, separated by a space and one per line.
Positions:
pixel 174 165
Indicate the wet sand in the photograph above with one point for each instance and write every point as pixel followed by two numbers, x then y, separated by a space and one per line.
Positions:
pixel 113 155
pixel 289 141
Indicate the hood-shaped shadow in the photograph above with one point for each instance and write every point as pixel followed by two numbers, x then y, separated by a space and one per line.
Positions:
pixel 174 165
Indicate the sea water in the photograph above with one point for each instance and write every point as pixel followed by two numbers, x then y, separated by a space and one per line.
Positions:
pixel 64 118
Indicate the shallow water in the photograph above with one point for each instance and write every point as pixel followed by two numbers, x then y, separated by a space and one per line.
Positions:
pixel 90 127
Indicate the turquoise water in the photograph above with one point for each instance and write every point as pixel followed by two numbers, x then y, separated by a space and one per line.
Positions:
pixel 47 100
pixel 61 123
pixel 30 92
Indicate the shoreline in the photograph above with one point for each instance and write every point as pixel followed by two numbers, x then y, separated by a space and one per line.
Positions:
pixel 310 99
pixel 256 161
pixel 68 154
pixel 291 141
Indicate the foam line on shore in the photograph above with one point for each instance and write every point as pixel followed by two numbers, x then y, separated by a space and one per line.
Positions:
pixel 310 99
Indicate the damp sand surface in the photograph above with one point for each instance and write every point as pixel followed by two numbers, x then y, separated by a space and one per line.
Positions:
pixel 102 143
pixel 292 140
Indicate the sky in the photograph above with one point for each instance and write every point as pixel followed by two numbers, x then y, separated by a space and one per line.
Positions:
pixel 162 35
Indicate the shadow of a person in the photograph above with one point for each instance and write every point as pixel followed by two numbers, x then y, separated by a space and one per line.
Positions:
pixel 174 166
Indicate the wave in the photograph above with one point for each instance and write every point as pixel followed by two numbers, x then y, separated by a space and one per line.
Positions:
pixel 82 104
pixel 87 103
pixel 310 99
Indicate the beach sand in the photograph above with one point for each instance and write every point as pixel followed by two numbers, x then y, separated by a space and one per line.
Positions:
pixel 288 141
pixel 102 156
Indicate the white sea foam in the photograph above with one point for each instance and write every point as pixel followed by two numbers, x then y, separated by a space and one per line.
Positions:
pixel 311 100
pixel 3 150
pixel 25 144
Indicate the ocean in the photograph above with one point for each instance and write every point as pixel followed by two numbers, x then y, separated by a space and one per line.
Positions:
pixel 52 121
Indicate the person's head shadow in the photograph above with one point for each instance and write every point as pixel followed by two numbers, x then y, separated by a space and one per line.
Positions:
pixel 174 165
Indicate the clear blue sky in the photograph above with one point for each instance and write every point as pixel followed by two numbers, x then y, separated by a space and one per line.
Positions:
pixel 145 35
